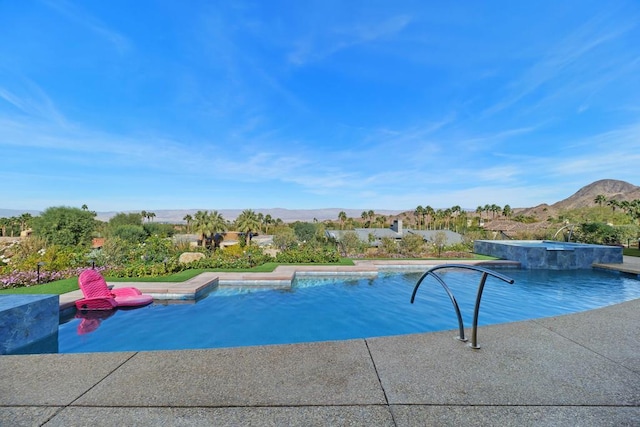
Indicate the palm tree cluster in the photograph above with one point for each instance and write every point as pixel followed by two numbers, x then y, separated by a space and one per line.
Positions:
pixel 147 215
pixel 629 207
pixel 428 218
pixel 14 226
pixel 494 210
pixel 208 224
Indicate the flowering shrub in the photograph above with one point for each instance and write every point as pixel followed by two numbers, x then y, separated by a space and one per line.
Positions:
pixel 18 279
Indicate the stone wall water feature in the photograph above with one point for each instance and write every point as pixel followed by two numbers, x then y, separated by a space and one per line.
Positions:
pixel 29 322
pixel 547 254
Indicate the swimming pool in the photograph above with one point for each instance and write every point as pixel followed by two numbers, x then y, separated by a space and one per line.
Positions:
pixel 321 309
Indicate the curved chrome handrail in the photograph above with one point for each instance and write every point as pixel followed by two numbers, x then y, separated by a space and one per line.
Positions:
pixel 485 273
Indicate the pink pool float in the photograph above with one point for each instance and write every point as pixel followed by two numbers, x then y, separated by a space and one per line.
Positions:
pixel 98 296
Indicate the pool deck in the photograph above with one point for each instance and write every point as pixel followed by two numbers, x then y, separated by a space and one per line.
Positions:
pixel 581 369
pixel 630 265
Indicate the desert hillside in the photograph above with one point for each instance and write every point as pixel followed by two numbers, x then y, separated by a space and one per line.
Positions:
pixel 610 188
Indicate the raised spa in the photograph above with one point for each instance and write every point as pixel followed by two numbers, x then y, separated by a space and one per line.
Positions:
pixel 549 254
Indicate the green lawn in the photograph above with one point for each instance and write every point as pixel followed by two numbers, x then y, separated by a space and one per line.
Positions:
pixel 631 251
pixel 71 284
pixel 56 288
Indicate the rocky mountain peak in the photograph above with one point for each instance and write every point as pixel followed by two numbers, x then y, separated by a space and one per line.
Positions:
pixel 610 188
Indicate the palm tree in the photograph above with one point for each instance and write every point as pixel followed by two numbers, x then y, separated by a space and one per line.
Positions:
pixel 24 219
pixel 364 217
pixel 487 209
pixel 625 205
pixel 13 222
pixel 201 225
pixel 247 222
pixel 4 223
pixel 207 224
pixel 600 199
pixel 342 217
pixel 143 214
pixel 455 213
pixel 494 210
pixel 438 218
pixel 350 223
pixel 631 208
pixel 188 218
pixel 218 223
pixel 429 213
pixel 462 220
pixel 448 213
pixel 268 220
pixel 507 212
pixel 419 213
pixel 151 215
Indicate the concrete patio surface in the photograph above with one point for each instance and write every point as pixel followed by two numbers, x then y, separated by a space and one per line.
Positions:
pixel 581 369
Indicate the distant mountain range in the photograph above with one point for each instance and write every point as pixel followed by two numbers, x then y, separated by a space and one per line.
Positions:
pixel 286 215
pixel 610 188
pixel 175 216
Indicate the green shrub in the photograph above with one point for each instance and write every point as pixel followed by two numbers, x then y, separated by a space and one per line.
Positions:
pixel 129 233
pixel 412 244
pixel 599 233
pixel 147 269
pixel 233 257
pixel 284 239
pixel 161 230
pixel 308 255
pixel 352 244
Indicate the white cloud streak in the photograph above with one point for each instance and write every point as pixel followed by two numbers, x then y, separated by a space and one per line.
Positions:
pixel 328 42
pixel 81 17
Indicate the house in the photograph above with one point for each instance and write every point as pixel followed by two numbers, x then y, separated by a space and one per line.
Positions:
pixel 374 236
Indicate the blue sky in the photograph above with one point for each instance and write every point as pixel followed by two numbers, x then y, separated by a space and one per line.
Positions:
pixel 130 105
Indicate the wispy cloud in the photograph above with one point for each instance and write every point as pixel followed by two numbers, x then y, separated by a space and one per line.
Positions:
pixel 81 17
pixel 328 42
pixel 567 59
pixel 30 99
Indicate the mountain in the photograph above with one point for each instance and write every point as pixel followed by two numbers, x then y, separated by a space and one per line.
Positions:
pixel 8 213
pixel 610 188
pixel 585 197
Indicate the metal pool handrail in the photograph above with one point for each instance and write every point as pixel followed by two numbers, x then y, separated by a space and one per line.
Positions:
pixel 485 273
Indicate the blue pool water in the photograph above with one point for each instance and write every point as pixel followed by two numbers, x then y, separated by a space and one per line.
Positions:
pixel 320 309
